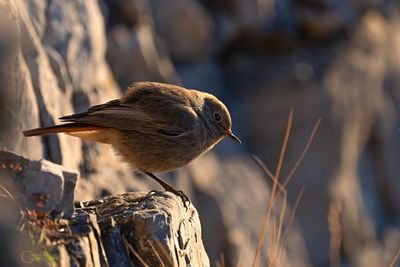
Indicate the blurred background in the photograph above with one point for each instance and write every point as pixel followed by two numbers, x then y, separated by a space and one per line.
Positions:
pixel 331 59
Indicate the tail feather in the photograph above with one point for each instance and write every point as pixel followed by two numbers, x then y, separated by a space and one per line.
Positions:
pixel 63 128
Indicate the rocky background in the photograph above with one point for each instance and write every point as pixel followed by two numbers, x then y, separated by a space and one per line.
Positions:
pixel 335 60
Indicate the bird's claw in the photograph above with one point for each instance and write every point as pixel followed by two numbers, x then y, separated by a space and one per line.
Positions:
pixel 169 188
pixel 183 196
pixel 185 199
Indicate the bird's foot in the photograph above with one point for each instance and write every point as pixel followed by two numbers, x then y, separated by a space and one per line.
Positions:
pixel 167 187
pixel 182 195
pixel 185 199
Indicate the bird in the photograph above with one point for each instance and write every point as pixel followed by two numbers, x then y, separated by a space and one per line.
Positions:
pixel 155 127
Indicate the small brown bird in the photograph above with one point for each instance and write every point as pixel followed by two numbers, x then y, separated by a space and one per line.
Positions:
pixel 156 127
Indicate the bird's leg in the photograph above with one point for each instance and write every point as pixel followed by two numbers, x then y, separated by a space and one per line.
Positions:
pixel 169 188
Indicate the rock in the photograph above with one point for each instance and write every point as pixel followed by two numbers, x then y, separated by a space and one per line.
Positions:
pixel 63 46
pixel 75 30
pixel 186 27
pixel 18 105
pixel 117 230
pixel 50 98
pixel 88 244
pixel 130 229
pixel 40 185
pixel 157 230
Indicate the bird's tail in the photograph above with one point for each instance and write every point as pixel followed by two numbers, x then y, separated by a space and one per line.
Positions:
pixel 63 128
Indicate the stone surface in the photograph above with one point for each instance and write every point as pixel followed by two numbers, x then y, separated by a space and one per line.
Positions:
pixel 53 64
pixel 50 97
pixel 118 230
pixel 155 229
pixel 18 105
pixel 63 45
pixel 40 185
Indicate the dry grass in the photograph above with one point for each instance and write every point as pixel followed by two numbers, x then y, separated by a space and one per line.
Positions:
pixel 277 203
pixel 277 222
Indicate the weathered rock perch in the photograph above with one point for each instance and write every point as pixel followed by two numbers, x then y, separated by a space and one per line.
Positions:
pixel 132 229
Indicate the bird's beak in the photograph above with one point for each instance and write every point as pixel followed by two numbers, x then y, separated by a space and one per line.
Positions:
pixel 234 137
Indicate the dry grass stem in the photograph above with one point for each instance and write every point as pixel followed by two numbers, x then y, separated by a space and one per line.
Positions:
pixel 278 231
pixel 284 145
pixel 165 253
pixel 303 154
pixel 395 259
pixel 155 251
pixel 282 212
pixel 274 186
pixel 269 173
pixel 132 250
pixel 290 221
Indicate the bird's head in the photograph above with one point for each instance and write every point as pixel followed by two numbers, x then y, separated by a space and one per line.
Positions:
pixel 218 116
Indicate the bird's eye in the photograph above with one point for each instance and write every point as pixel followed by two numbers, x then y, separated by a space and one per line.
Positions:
pixel 217 116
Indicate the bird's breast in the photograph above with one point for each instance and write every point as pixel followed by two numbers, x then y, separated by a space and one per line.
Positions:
pixel 161 153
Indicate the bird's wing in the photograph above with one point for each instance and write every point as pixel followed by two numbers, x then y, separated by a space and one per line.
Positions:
pixel 150 112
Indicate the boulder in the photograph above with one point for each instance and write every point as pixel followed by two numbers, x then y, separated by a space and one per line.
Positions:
pixel 53 64
pixel 119 230
pixel 148 230
pixel 18 104
pixel 40 185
